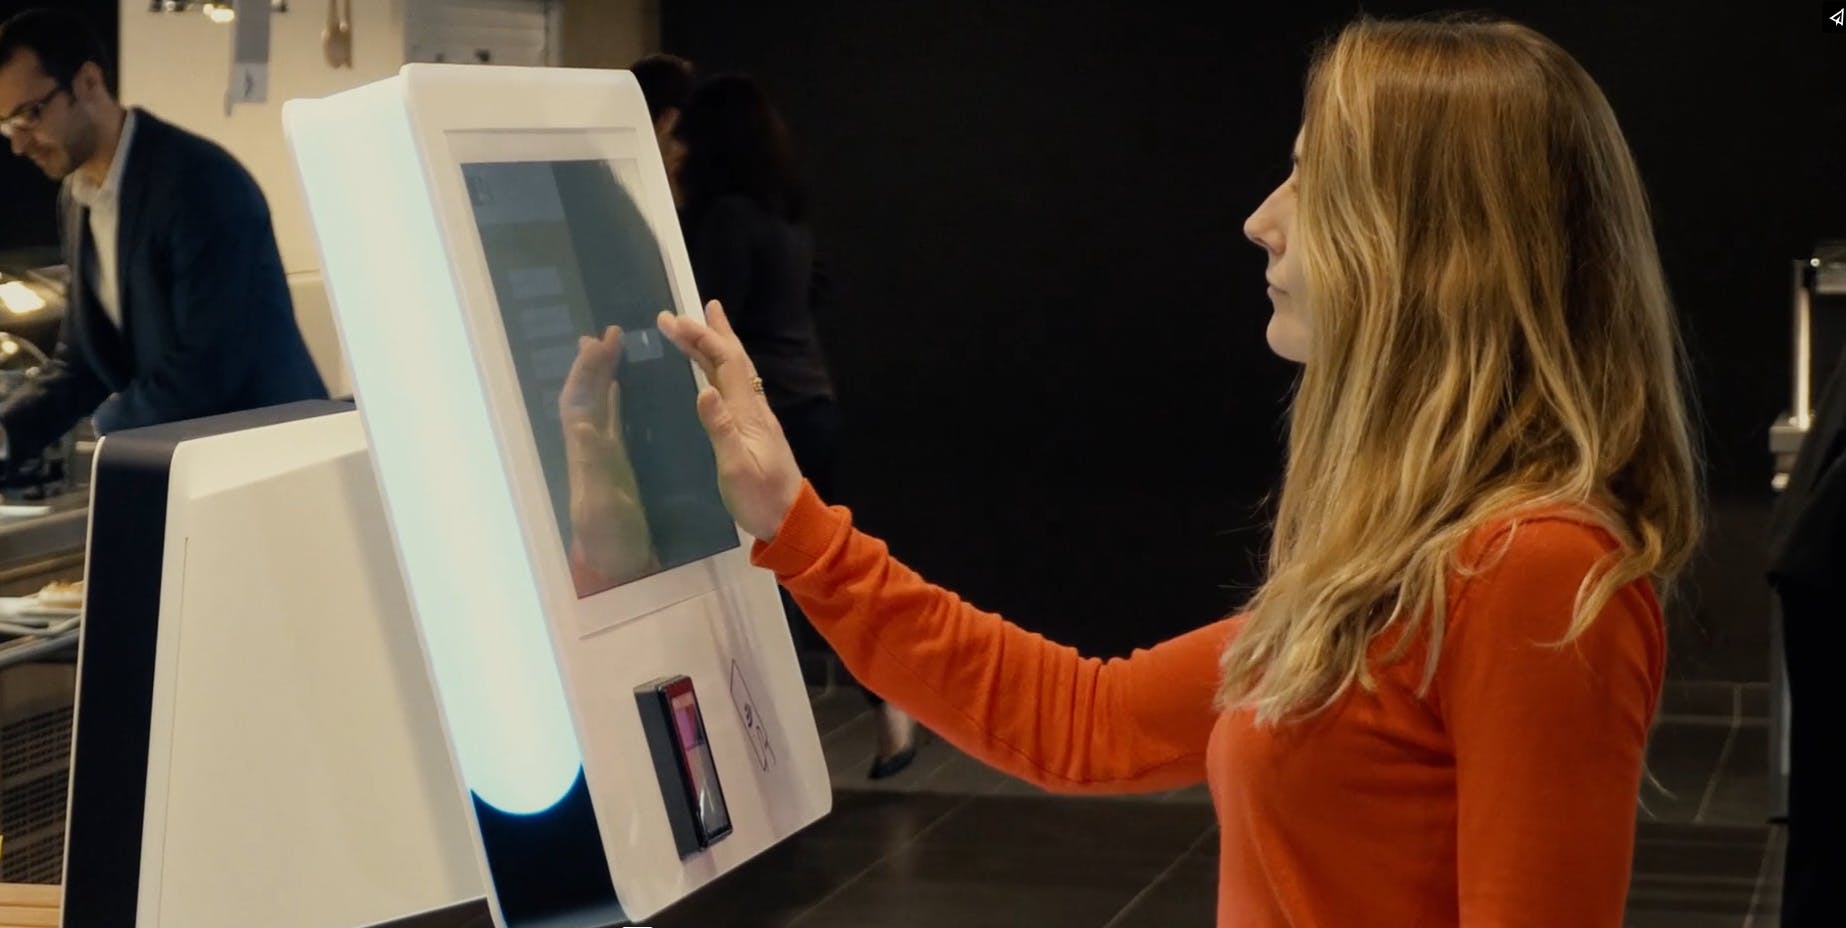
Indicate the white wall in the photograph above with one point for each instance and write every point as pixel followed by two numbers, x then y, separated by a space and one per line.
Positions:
pixel 177 64
pixel 609 33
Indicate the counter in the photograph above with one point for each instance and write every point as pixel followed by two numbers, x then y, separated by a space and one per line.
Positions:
pixel 28 906
pixel 35 551
pixel 37 689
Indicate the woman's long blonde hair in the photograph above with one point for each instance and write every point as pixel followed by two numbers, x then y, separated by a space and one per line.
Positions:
pixel 1491 333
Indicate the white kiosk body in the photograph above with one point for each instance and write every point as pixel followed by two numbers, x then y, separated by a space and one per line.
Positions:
pixel 257 742
pixel 616 681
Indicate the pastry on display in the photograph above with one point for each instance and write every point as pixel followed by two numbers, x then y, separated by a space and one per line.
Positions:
pixel 62 594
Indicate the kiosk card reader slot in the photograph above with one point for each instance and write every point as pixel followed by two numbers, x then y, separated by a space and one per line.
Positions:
pixel 682 761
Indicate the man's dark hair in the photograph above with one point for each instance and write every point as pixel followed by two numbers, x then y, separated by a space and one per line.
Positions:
pixel 666 81
pixel 62 42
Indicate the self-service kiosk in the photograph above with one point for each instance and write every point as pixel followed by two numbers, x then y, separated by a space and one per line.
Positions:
pixel 489 645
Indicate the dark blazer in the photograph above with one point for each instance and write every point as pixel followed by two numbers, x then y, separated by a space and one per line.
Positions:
pixel 207 323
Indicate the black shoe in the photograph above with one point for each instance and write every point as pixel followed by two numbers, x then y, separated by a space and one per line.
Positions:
pixel 886 767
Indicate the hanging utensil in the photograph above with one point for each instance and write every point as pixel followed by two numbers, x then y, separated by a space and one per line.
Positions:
pixel 336 40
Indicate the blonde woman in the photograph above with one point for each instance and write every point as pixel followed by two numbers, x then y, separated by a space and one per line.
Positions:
pixel 1434 710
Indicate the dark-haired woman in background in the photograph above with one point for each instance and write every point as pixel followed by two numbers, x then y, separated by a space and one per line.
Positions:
pixel 745 224
pixel 666 84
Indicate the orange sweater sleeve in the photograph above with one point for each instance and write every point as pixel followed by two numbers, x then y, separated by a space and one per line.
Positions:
pixel 1016 701
pixel 1549 741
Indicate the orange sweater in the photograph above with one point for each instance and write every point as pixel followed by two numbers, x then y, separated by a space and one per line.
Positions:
pixel 1504 796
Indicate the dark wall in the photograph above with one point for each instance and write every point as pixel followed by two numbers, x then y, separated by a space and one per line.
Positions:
pixel 1050 340
pixel 28 199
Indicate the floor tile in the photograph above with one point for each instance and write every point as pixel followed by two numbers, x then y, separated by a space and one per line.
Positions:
pixel 773 889
pixel 958 773
pixel 1018 788
pixel 1696 870
pixel 1740 795
pixel 1186 896
pixel 1691 896
pixel 862 830
pixel 1193 794
pixel 1681 920
pixel 1755 700
pixel 837 706
pixel 879 822
pixel 1681 759
pixel 886 899
pixel 1106 828
pixel 1768 906
pixel 1701 851
pixel 1001 865
pixel 1698 699
pixel 849 748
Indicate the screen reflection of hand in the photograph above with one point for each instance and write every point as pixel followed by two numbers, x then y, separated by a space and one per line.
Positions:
pixel 609 531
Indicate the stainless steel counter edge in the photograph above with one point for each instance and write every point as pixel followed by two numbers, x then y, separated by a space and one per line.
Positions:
pixel 57 534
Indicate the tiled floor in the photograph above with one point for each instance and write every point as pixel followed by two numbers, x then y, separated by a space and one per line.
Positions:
pixel 950 842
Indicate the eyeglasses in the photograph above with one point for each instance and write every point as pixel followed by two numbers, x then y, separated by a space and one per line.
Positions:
pixel 27 115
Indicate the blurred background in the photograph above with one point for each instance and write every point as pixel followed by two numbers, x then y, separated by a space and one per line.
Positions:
pixel 1046 327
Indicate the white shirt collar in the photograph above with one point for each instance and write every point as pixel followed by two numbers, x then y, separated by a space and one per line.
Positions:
pixel 91 195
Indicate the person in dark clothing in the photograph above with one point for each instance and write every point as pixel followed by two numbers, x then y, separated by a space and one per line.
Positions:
pixel 178 307
pixel 745 225
pixel 666 83
pixel 1807 557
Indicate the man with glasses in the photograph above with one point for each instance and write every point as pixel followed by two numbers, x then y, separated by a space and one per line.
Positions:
pixel 177 307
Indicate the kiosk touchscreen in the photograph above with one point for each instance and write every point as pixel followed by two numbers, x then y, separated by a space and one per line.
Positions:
pixel 617 683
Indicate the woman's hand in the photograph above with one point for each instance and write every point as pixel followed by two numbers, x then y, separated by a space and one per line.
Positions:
pixel 757 475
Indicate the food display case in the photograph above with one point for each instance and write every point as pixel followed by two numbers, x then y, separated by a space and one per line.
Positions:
pixel 44 516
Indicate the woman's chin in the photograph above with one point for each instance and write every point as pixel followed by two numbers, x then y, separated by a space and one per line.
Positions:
pixel 1288 338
